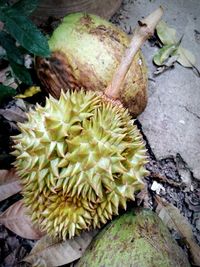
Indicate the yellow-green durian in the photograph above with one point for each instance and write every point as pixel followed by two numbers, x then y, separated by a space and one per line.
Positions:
pixel 79 159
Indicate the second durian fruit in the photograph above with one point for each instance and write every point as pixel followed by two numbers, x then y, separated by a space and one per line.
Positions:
pixel 80 159
pixel 86 50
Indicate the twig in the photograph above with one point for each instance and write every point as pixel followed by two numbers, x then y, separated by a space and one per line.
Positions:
pixel 142 32
pixel 163 178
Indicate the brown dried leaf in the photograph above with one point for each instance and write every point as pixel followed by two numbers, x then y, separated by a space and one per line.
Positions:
pixel 7 176
pixel 15 218
pixel 9 183
pixel 172 217
pixel 13 114
pixel 9 189
pixel 54 252
pixel 143 197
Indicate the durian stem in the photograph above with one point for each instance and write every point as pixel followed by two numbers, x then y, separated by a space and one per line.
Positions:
pixel 142 32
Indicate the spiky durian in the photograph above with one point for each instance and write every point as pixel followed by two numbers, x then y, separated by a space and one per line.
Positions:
pixel 79 159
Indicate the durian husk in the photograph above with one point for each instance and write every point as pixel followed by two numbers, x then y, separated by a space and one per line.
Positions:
pixel 86 51
pixel 80 159
pixel 135 239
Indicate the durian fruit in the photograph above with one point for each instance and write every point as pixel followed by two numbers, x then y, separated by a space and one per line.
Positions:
pixel 86 51
pixel 79 160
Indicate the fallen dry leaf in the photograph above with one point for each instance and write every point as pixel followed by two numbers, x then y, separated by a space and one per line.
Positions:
pixel 172 217
pixel 143 197
pixel 186 58
pixel 9 189
pixel 20 103
pixel 184 172
pixel 29 92
pixel 15 218
pixel 13 114
pixel 9 183
pixel 54 252
pixel 8 176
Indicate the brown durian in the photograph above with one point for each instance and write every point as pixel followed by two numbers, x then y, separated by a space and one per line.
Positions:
pixel 86 51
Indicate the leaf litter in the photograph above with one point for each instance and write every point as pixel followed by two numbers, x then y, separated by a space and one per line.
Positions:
pixel 16 219
pixel 54 252
pixel 9 183
pixel 181 188
pixel 176 221
pixel 171 50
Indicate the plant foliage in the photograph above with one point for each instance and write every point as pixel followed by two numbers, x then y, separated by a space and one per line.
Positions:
pixel 19 36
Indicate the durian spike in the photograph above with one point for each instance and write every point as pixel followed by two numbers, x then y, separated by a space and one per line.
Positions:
pixel 142 32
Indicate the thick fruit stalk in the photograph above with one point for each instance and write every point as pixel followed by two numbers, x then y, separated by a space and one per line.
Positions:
pixel 80 158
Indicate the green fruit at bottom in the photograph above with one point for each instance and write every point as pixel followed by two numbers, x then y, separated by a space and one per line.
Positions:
pixel 136 239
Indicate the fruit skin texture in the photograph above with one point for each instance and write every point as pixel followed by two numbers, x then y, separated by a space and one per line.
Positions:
pixel 86 51
pixel 137 239
pixel 80 158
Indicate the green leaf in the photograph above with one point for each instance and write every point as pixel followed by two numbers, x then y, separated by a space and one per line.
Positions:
pixel 3 54
pixel 3 3
pixel 25 6
pixel 166 34
pixel 2 17
pixel 6 91
pixel 8 43
pixel 21 73
pixel 163 54
pixel 186 58
pixel 25 32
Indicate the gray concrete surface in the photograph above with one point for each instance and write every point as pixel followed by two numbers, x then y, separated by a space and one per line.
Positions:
pixel 171 120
